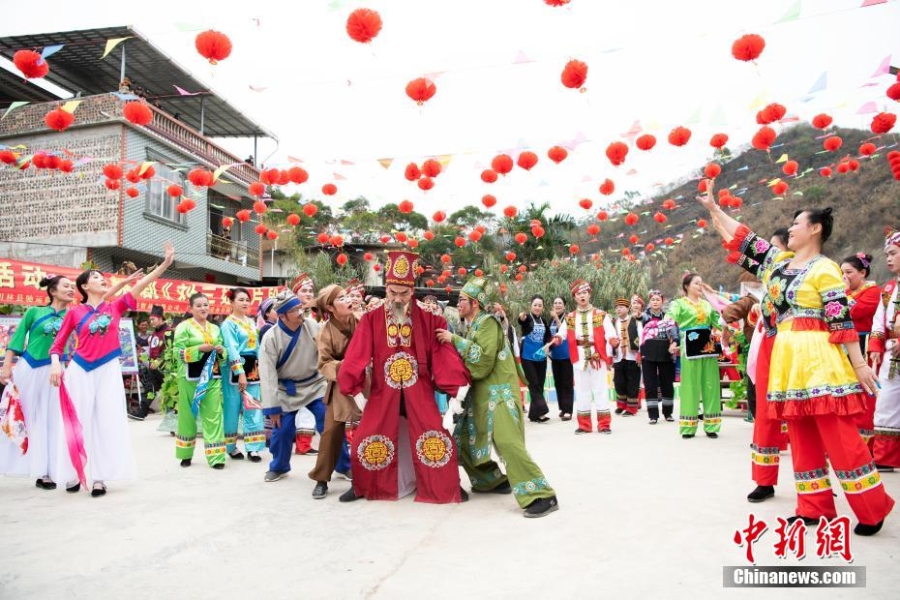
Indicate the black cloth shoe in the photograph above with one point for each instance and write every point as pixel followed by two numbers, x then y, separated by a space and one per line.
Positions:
pixel 74 489
pixel 581 431
pixel 45 485
pixel 185 462
pixel 541 507
pixel 238 455
pixel 135 415
pixel 254 457
pixel 98 490
pixel 463 495
pixel 761 493
pixel 619 411
pixel 862 529
pixel 321 490
pixel 712 434
pixel 687 436
pixel 810 521
pixel 503 488
pixel 219 466
pixel 884 468
pixel 349 496
pixel 670 418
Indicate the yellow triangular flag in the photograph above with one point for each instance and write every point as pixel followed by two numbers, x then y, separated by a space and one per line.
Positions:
pixel 218 172
pixel 385 162
pixel 774 181
pixel 71 105
pixel 112 43
pixel 144 166
pixel 445 159
pixel 784 158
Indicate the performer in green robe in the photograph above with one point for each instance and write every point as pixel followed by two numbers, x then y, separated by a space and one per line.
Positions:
pixel 493 414
pixel 194 340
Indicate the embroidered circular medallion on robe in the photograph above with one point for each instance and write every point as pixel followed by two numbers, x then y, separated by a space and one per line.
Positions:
pixel 375 452
pixel 401 370
pixel 434 448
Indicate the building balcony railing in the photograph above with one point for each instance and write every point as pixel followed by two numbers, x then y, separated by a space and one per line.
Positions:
pixel 231 251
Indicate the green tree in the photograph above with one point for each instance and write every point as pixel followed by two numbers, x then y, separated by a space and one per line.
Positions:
pixel 470 216
pixel 408 222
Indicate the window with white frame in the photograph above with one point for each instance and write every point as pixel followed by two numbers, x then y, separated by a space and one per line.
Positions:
pixel 159 202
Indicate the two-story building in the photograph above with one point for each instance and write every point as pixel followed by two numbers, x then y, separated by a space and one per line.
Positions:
pixel 70 218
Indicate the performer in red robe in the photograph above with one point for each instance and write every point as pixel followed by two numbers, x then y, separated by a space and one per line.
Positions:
pixel 398 338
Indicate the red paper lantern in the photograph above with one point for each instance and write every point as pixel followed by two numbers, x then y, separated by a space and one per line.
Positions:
pixel 867 149
pixel 310 209
pixel 401 237
pixel 502 164
pixel 298 175
pixel 668 204
pixel 461 271
pixel 764 138
pixel 602 215
pixel 574 249
pixel 736 201
pixel 367 256
pixel 645 142
pixel 825 171
pixel 519 277
pixel 790 167
pixel 431 167
pixel 488 200
pixel 293 219
pixel 183 207
pixel 893 92
pixel 261 229
pixel 679 136
pixel 341 259
pixel 510 256
pixel 39 160
pixel 323 238
pixel 376 267
pixel 593 229
pixel 460 242
pixel 607 187
pixel 843 167
pixel 283 178
pixel 242 215
pixel 748 47
pixel 474 235
pixel 259 207
pixel 537 232
pixel 718 140
pixel 256 189
pixel 832 143
pixel 527 160
pixel 329 189
pixel 489 176
pixel 112 171
pixel 510 212
pixel 425 183
pixel 616 153
pixel 586 203
pixel 420 90
pixel 883 122
pixel 660 218
pixel 701 223
pixel 771 113
pixel 385 239
pixel 213 46
pixel 522 268
pixel 137 112
pixel 132 192
pixel 429 283
pixel 557 154
pixel 31 64
pixel 779 188
pixel 633 239
pixel 504 268
pixel 199 177
pixel 132 176
pixel 712 170
pixel 66 165
pixel 521 238
pixel 821 121
pixel 428 235
pixel 412 172
pixel 59 119
pixel 405 207
pixel 269 176
pixel 227 222
pixel 176 191
pixel 439 216
pixel 8 157
pixel 445 258
pixel 703 185
pixel 631 219
pixel 854 164
pixel 363 25
pixel 574 74
pixel 272 235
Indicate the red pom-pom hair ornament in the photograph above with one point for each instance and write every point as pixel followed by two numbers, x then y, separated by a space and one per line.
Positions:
pixel 718 140
pixel 821 121
pixel 137 112
pixel 489 176
pixel 363 25
pixel 607 187
pixel 832 143
pixel 431 168
pixel 616 153
pixel 213 46
pixel 425 183
pixel 31 64
pixel 679 136
pixel 412 172
pixel 59 119
pixel 748 47
pixel 421 90
pixel 574 75
pixel 764 138
pixel 502 163
pixel 488 200
pixel 329 189
pixel 645 142
pixel 883 122
pixel 557 154
pixel 790 167
pixel 527 160
pixel 867 149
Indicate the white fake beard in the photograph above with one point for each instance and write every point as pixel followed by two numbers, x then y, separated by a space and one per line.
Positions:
pixel 398 310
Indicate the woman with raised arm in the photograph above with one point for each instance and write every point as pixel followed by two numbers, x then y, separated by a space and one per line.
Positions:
pixel 818 378
pixel 92 395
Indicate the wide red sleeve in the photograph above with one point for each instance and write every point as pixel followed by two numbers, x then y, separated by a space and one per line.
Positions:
pixel 448 368
pixel 351 377
pixel 62 336
pixel 863 310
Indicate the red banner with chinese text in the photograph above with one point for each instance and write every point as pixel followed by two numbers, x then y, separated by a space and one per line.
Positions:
pixel 19 285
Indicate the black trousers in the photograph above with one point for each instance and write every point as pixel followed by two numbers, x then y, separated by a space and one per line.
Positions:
pixel 659 383
pixel 564 380
pixel 627 378
pixel 536 374
pixel 751 397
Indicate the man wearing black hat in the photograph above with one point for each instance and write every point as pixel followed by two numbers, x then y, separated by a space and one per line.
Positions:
pixel 154 375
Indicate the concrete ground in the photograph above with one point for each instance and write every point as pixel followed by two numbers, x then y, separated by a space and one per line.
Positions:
pixel 641 512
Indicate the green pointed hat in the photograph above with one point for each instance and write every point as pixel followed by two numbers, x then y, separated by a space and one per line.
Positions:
pixel 476 289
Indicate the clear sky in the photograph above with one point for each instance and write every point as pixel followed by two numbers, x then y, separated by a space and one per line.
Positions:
pixel 497 65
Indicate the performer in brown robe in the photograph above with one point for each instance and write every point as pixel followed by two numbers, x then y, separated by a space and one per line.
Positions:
pixel 398 338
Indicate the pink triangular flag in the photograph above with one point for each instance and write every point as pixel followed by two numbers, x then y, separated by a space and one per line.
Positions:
pixel 867 108
pixel 521 57
pixel 884 68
